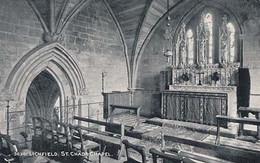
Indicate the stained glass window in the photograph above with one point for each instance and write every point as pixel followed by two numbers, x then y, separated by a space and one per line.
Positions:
pixel 208 20
pixel 231 32
pixel 190 44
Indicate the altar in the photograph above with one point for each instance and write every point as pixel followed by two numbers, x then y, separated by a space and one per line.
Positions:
pixel 198 104
pixel 203 78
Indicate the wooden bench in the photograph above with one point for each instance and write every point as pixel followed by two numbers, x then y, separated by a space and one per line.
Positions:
pixel 221 118
pixel 105 138
pixel 136 109
pixel 243 111
pixel 137 148
pixel 222 152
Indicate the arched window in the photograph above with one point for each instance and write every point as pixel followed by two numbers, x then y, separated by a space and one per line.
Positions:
pixel 209 39
pixel 190 44
pixel 231 33
pixel 208 21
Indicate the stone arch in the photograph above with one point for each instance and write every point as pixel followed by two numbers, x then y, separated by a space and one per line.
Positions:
pixel 52 57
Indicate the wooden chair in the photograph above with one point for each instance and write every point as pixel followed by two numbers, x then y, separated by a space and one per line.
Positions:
pixel 78 144
pixel 139 149
pixel 62 135
pixel 8 148
pixel 37 138
pixel 171 157
pixel 49 135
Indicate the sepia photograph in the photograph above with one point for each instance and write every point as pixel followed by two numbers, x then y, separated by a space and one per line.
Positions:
pixel 129 81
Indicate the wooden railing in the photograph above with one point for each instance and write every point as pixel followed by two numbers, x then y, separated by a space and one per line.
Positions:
pixel 225 119
pixel 231 153
pixel 243 111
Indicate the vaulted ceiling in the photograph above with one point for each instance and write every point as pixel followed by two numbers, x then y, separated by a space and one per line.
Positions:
pixel 135 19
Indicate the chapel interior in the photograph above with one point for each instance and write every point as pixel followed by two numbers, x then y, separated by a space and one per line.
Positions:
pixel 134 81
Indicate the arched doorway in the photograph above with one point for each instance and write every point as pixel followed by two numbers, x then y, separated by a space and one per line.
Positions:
pixel 43 98
pixel 53 61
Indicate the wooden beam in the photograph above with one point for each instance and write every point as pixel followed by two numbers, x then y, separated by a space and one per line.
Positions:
pixel 97 122
pixel 172 157
pixel 224 150
pixel 125 107
pixel 238 120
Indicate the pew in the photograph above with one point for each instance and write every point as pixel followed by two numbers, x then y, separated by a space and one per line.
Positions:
pixel 139 149
pixel 219 152
pixel 222 118
pixel 78 144
pixel 243 111
pixel 136 109
pixel 187 157
pixel 110 140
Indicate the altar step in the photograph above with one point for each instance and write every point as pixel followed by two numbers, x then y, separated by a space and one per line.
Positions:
pixel 201 128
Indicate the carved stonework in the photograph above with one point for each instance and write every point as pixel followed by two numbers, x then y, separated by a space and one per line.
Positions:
pixel 204 75
pixel 53 37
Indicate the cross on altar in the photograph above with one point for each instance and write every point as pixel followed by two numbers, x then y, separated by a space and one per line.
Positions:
pixel 200 73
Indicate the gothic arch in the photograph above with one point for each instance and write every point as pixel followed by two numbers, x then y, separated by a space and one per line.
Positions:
pixel 52 57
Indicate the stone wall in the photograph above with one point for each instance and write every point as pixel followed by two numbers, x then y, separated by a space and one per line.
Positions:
pixel 91 38
pixel 20 31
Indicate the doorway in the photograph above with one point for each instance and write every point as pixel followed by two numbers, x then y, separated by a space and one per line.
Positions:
pixel 43 98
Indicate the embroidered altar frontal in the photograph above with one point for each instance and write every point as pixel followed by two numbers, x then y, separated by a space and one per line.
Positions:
pixel 199 107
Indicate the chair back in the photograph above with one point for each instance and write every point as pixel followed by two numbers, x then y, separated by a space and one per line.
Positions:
pixel 47 129
pixel 62 131
pixel 8 148
pixel 75 135
pixel 171 157
pixel 37 126
pixel 137 148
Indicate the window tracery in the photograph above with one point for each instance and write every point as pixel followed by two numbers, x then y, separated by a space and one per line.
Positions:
pixel 200 48
pixel 190 44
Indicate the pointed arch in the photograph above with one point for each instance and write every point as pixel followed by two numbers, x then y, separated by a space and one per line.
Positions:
pixel 52 57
